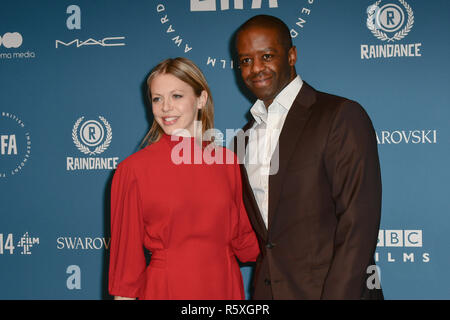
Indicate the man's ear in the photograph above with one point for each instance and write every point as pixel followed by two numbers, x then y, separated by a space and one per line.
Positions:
pixel 292 56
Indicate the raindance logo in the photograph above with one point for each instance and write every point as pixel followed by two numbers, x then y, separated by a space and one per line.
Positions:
pixel 15 144
pixel 91 137
pixel 389 23
pixel 175 24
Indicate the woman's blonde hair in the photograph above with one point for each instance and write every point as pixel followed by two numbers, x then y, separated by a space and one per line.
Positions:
pixel 187 71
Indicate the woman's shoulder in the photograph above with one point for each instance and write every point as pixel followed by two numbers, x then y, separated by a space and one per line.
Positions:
pixel 141 157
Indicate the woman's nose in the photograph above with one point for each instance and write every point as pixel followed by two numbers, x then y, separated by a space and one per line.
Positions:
pixel 167 105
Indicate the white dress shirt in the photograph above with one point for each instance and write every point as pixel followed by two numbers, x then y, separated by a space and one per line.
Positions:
pixel 263 140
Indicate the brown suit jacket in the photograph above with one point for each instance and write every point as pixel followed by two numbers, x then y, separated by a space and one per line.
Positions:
pixel 324 204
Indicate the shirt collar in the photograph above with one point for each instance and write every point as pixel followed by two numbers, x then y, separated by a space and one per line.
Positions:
pixel 285 99
pixel 259 111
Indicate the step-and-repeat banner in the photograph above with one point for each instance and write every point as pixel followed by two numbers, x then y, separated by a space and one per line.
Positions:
pixel 73 105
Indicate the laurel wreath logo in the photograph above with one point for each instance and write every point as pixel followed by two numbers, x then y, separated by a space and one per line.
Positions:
pixel 99 149
pixel 380 34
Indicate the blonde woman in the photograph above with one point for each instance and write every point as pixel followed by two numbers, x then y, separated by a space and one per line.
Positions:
pixel 189 215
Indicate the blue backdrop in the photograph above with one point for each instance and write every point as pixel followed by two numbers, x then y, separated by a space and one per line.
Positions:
pixel 68 68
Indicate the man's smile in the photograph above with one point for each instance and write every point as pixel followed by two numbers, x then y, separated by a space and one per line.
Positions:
pixel 261 82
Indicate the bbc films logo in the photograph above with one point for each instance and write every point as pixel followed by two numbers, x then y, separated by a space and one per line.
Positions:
pixel 401 246
pixel 389 23
pixel 15 145
pixel 218 58
pixel 11 41
pixel 73 22
pixel 91 137
pixel 25 244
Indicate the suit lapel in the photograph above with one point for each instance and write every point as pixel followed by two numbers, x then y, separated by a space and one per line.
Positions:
pixel 290 133
pixel 254 213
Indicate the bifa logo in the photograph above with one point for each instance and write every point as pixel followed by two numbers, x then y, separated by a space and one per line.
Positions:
pixel 15 144
pixel 91 137
pixel 25 243
pixel 210 5
pixel 216 53
pixel 401 246
pixel 8 144
pixel 390 22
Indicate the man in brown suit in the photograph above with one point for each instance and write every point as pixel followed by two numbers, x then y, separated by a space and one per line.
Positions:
pixel 317 213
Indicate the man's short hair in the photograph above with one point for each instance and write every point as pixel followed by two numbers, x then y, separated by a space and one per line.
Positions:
pixel 271 22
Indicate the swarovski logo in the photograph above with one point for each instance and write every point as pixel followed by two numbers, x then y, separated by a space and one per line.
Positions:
pixel 407 137
pixel 83 243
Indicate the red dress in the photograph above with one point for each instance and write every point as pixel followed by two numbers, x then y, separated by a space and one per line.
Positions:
pixel 190 216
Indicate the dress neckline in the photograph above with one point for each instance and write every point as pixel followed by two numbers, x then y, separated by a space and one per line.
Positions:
pixel 173 140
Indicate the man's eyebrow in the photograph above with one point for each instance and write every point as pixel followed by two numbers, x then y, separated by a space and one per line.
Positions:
pixel 260 51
